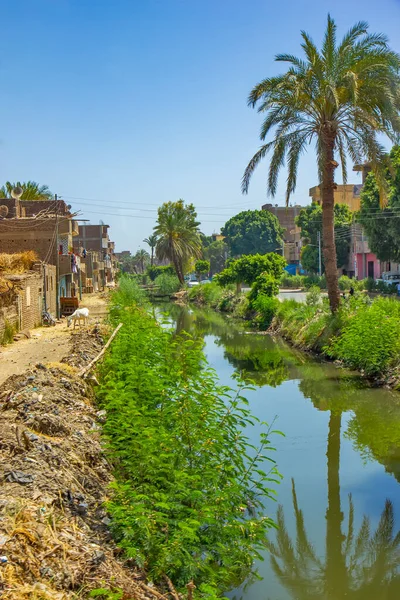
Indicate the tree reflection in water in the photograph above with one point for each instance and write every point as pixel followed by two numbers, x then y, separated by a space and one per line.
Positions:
pixel 358 565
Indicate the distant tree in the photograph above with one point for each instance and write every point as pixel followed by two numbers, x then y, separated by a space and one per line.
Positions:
pixel 310 223
pixel 248 268
pixel 382 224
pixel 152 242
pixel 340 99
pixel 141 260
pixel 201 267
pixel 177 232
pixel 216 253
pixel 252 232
pixel 31 190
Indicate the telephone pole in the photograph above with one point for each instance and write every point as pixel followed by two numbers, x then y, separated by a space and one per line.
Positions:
pixel 57 264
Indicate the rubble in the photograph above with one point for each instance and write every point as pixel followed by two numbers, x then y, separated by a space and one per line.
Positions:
pixel 55 541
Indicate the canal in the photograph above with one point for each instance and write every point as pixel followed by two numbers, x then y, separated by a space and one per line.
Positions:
pixel 338 506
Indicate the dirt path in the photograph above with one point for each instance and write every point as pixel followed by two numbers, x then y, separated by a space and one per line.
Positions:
pixel 47 344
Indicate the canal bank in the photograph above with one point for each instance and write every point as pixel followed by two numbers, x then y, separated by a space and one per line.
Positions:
pixel 337 506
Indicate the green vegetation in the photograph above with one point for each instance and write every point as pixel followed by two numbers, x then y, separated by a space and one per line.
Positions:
pixel 154 272
pixel 252 232
pixel 178 236
pixel 167 284
pixel 30 190
pixel 310 222
pixel 340 99
pixel 248 268
pixel 152 242
pixel 201 267
pixel 216 253
pixel 362 333
pixel 8 333
pixel 382 223
pixel 190 491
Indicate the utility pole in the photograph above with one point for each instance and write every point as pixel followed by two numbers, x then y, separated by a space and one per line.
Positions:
pixel 57 264
pixel 319 254
pixel 283 248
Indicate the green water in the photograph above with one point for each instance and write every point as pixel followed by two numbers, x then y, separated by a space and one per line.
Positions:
pixel 338 506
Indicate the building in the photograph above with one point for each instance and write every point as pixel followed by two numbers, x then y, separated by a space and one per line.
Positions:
pixel 47 227
pixel 348 194
pixel 96 252
pixel 286 216
pixel 24 296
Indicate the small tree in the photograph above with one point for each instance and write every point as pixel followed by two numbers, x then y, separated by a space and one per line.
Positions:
pixel 201 267
pixel 248 268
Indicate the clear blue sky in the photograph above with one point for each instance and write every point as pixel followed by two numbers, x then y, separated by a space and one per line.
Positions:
pixel 136 102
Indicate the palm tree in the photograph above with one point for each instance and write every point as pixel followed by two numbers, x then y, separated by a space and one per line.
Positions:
pixel 340 98
pixel 141 258
pixel 31 190
pixel 152 242
pixel 177 234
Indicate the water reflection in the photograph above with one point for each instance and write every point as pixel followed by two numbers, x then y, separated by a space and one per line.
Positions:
pixel 356 554
pixel 359 565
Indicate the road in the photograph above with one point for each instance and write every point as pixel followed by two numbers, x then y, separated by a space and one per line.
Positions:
pixel 47 344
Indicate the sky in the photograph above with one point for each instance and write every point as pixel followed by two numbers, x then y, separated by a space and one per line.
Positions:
pixel 121 105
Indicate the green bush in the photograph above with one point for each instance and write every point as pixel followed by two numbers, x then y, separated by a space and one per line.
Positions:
pixel 265 284
pixel 167 284
pixel 345 283
pixel 292 281
pixel 370 341
pixel 310 280
pixel 313 297
pixel 265 307
pixel 154 271
pixel 207 293
pixel 190 491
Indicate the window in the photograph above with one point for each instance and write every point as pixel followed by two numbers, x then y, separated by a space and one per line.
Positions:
pixel 28 296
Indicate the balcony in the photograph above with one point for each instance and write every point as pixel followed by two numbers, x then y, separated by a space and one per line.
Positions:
pixel 68 227
pixel 64 261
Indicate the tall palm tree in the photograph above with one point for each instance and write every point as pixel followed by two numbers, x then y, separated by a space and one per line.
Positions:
pixel 339 98
pixel 141 258
pixel 31 190
pixel 177 234
pixel 152 242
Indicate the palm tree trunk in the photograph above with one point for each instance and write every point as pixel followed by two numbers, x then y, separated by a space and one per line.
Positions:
pixel 178 268
pixel 336 574
pixel 152 255
pixel 328 223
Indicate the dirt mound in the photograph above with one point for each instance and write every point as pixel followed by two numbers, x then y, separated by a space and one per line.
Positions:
pixel 54 531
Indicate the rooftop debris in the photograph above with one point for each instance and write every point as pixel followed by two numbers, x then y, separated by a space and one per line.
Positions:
pixel 19 262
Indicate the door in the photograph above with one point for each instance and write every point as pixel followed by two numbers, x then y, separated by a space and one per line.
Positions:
pixel 371 269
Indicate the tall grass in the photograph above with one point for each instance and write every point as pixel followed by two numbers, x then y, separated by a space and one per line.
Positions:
pixel 190 492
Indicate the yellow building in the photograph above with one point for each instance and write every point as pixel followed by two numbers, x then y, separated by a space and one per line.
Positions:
pixel 348 194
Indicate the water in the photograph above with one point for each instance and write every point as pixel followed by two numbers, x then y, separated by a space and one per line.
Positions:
pixel 338 505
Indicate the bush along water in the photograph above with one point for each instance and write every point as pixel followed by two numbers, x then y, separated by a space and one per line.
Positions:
pixel 191 492
pixel 363 334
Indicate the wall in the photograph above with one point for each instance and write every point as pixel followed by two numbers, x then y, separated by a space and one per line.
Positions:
pixel 348 194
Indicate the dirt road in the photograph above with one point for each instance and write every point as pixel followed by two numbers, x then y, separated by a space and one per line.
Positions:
pixel 47 344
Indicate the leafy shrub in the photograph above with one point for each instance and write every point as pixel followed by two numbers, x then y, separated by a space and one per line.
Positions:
pixel 310 280
pixel 265 284
pixel 207 293
pixel 8 333
pixel 265 307
pixel 154 271
pixel 189 496
pixel 167 284
pixel 313 297
pixel 370 341
pixel 292 281
pixel 345 283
